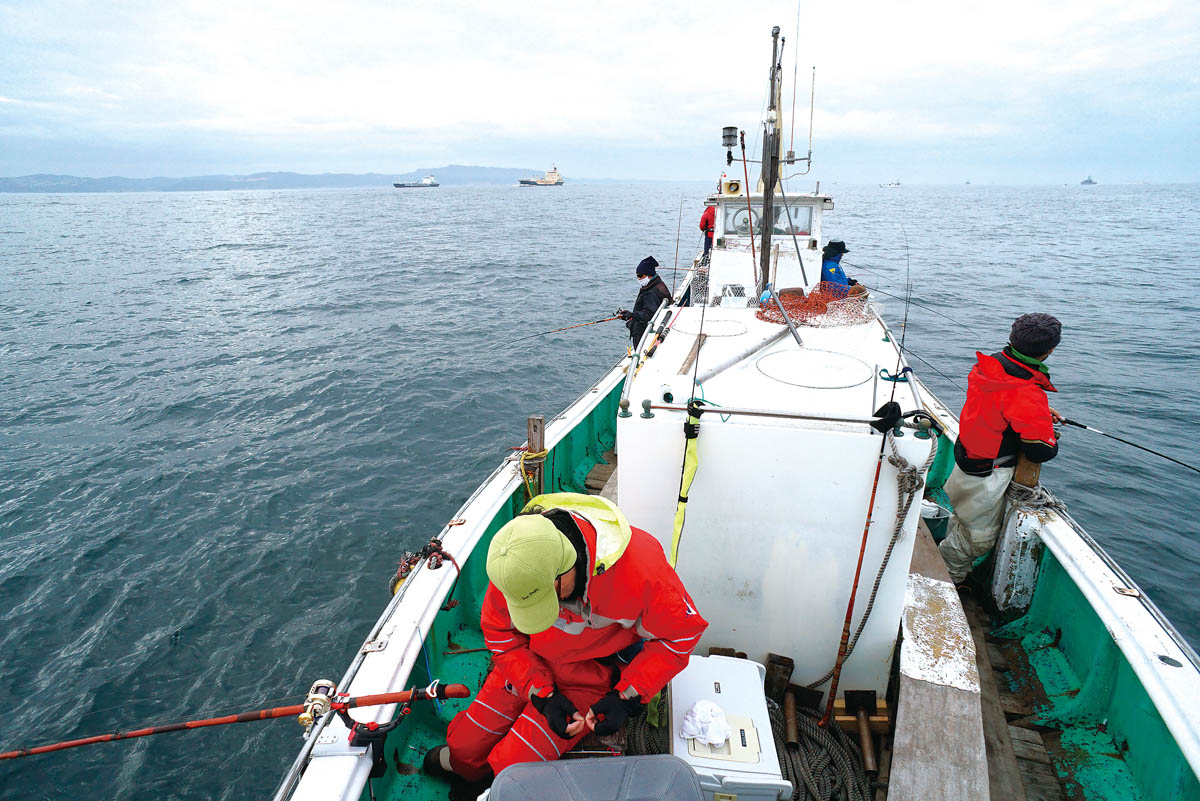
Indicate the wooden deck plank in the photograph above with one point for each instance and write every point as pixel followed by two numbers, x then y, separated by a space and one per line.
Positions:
pixel 938 750
pixel 1004 775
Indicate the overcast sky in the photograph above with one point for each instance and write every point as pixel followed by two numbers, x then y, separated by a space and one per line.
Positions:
pixel 1008 92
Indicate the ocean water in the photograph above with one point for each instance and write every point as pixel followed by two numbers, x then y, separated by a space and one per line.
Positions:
pixel 223 416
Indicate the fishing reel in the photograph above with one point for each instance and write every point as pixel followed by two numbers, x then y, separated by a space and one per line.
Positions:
pixel 320 697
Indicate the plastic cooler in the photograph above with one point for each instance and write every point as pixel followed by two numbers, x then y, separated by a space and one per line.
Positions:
pixel 746 767
pixel 661 777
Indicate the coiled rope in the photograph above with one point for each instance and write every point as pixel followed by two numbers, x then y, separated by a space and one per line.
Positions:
pixel 826 766
pixel 909 482
pixel 1032 499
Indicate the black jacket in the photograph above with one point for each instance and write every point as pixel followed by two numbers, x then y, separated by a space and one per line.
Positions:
pixel 649 298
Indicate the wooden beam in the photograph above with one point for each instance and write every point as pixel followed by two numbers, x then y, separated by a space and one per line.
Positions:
pixel 535 427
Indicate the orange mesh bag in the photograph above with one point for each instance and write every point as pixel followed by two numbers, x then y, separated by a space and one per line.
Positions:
pixel 828 304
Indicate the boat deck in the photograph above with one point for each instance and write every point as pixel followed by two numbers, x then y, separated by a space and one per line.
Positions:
pixel 1019 764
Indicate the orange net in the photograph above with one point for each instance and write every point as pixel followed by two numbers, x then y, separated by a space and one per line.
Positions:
pixel 828 304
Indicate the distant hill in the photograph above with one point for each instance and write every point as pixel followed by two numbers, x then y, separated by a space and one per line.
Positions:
pixel 449 175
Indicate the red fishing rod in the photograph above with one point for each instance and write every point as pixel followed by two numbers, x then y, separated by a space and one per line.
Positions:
pixel 889 415
pixel 340 705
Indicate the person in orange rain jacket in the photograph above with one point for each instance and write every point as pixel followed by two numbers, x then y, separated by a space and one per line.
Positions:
pixel 586 621
pixel 1006 412
pixel 708 224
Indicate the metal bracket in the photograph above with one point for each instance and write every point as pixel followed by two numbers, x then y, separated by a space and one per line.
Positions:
pixel 374 646
pixel 1131 592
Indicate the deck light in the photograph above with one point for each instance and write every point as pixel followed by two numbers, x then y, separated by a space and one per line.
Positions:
pixel 729 142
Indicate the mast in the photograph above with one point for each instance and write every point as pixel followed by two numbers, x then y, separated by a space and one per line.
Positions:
pixel 769 175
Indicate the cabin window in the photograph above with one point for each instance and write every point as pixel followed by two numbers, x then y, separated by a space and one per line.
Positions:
pixel 741 221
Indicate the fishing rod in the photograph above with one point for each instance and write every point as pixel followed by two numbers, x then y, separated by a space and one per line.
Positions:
pixel 435 690
pixel 1127 442
pixel 616 316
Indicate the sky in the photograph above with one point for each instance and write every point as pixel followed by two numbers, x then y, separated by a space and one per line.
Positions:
pixel 922 92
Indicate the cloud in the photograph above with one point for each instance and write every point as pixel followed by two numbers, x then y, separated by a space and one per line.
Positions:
pixel 589 81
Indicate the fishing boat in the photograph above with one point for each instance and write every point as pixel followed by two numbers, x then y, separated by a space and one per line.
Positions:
pixel 427 181
pixel 770 433
pixel 551 178
pixel 1087 182
pixel 893 184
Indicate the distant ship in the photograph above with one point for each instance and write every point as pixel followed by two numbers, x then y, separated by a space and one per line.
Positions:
pixel 551 178
pixel 893 185
pixel 1087 182
pixel 428 180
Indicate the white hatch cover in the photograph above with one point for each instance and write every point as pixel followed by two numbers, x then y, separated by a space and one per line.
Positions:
pixel 815 369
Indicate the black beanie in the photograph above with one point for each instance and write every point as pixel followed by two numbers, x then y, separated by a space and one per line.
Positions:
pixel 646 266
pixel 1035 334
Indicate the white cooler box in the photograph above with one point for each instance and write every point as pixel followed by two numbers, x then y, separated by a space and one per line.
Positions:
pixel 746 767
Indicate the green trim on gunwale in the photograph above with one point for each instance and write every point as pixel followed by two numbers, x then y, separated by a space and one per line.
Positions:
pixel 1106 738
pixel 566 468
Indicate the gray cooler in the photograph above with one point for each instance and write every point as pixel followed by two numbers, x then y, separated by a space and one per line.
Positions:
pixel 660 777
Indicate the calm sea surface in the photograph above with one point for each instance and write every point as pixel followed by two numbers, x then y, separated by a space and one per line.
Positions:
pixel 223 416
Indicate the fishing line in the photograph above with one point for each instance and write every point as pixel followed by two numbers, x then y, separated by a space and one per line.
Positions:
pixel 926 308
pixel 678 228
pixel 911 352
pixel 1127 442
pixel 554 331
pixel 904 323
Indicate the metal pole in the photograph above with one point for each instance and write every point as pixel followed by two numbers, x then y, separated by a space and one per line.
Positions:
pixel 770 163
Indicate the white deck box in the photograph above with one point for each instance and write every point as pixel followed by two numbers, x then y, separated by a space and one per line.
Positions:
pixel 747 767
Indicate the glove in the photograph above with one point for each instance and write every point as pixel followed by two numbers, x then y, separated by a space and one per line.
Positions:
pixel 611 710
pixel 558 710
pixel 852 282
pixel 625 314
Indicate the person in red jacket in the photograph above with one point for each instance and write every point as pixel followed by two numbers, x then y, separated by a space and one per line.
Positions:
pixel 708 223
pixel 1006 412
pixel 586 621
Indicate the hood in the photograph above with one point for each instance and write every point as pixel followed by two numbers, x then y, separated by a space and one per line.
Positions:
pixel 990 375
pixel 610 533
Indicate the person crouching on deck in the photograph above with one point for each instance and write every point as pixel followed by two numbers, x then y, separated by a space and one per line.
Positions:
pixel 585 620
pixel 1006 412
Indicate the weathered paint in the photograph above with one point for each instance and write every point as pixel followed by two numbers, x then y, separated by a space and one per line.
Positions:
pixel 937 640
pixel 1112 741
pixel 1017 554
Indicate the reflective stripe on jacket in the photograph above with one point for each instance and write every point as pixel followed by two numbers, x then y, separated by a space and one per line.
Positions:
pixel 632 595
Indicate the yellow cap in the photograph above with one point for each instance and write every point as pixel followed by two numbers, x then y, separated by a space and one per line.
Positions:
pixel 525 557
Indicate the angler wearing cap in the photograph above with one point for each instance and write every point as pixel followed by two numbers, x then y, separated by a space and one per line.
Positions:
pixel 651 295
pixel 1006 412
pixel 585 621
pixel 832 276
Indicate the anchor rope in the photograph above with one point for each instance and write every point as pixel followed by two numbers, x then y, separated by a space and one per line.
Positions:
pixel 826 766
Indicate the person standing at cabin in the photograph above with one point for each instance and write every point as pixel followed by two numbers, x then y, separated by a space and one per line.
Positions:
pixel 585 620
pixel 1007 412
pixel 651 295
pixel 708 224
